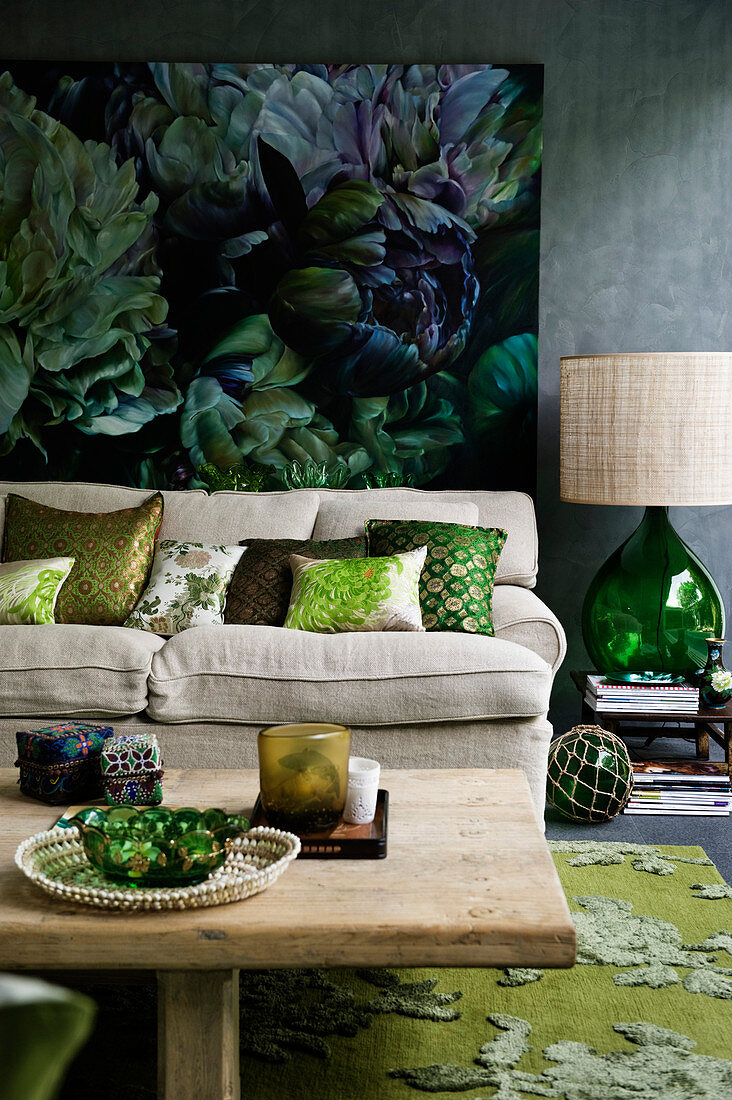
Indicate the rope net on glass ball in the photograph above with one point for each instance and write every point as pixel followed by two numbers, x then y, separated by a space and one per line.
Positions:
pixel 582 786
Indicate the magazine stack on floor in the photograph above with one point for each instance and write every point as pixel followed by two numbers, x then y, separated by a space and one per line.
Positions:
pixel 644 697
pixel 679 787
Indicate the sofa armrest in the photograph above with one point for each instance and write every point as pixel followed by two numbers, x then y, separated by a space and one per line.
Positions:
pixel 520 616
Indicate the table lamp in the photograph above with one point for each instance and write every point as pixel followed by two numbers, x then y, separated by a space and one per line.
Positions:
pixel 652 429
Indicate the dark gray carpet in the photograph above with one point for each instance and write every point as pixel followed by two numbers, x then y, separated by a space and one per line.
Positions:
pixel 714 834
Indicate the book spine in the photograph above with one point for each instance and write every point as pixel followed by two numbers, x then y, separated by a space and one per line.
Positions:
pixel 644 778
pixel 597 685
pixel 651 811
pixel 682 803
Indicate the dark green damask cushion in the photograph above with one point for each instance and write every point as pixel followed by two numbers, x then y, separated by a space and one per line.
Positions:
pixel 456 586
pixel 112 553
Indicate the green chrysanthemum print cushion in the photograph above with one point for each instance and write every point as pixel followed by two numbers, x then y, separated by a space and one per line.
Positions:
pixel 334 597
pixel 187 587
pixel 456 587
pixel 29 590
pixel 113 552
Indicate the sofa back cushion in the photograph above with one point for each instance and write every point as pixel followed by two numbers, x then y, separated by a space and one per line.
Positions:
pixel 190 516
pixel 344 511
pixel 227 517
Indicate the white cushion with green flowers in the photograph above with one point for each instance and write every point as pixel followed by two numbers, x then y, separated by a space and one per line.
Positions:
pixel 337 596
pixel 29 590
pixel 187 587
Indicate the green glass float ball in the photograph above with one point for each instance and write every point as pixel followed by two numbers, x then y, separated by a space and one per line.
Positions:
pixel 589 775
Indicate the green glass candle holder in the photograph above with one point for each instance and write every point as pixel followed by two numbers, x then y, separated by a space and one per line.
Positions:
pixel 651 607
pixel 303 775
pixel 156 846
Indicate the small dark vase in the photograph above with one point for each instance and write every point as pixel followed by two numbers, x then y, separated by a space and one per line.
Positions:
pixel 710 697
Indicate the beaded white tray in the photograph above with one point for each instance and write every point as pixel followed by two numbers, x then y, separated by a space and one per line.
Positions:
pixel 55 860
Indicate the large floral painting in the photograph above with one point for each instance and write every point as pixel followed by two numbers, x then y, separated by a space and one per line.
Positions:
pixel 230 263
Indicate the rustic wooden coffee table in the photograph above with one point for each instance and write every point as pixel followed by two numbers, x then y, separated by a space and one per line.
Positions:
pixel 468 881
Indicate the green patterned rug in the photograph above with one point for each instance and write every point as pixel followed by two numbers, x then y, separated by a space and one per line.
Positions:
pixel 646 1014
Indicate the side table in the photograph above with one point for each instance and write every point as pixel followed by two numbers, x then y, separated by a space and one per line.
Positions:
pixel 706 723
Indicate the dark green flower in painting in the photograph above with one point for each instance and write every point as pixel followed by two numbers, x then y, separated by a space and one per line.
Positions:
pixel 316 263
pixel 79 291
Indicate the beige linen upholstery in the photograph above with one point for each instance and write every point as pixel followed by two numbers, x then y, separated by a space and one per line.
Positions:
pixel 190 516
pixel 349 513
pixel 265 674
pixel 520 616
pixel 230 517
pixel 72 671
pixel 343 511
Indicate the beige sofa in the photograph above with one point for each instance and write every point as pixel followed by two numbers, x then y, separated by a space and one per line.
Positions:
pixel 411 699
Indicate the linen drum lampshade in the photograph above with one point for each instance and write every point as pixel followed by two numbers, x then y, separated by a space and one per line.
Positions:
pixel 650 429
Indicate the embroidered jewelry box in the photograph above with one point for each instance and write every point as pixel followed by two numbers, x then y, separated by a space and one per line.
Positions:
pixel 132 770
pixel 60 763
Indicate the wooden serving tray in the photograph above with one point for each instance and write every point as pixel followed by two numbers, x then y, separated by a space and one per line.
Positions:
pixel 342 841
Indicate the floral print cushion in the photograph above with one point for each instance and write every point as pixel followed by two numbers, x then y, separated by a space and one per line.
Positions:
pixel 333 597
pixel 187 587
pixel 29 590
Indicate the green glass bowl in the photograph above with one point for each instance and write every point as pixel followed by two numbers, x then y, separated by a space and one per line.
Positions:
pixel 155 846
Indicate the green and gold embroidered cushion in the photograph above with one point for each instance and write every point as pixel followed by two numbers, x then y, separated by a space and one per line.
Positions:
pixel 113 552
pixel 334 597
pixel 456 587
pixel 187 587
pixel 29 590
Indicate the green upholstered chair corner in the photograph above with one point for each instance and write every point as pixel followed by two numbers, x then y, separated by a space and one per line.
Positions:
pixel 42 1027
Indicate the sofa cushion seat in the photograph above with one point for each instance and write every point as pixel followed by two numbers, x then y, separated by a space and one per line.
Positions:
pixel 263 674
pixel 71 671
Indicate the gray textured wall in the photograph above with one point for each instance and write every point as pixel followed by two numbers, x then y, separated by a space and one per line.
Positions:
pixel 636 206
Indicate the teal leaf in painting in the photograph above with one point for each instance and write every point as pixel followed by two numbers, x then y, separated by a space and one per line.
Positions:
pixel 503 386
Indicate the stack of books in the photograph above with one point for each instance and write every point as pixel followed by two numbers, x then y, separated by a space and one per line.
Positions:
pixel 692 788
pixel 646 697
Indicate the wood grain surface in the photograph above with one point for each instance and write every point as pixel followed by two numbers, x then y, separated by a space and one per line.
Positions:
pixel 198 1035
pixel 468 881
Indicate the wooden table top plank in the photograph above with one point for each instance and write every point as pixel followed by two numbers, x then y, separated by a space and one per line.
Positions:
pixel 468 881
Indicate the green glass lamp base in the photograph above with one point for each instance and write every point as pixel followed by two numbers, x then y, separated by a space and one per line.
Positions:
pixel 651 607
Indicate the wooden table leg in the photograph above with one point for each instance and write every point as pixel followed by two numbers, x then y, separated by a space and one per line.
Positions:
pixel 198 1035
pixel 722 738
pixel 702 743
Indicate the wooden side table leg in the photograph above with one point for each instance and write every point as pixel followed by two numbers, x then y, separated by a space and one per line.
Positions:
pixel 198 1035
pixel 702 743
pixel 588 714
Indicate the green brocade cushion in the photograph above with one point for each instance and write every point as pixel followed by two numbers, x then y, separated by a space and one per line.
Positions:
pixel 259 593
pixel 29 590
pixel 113 552
pixel 362 594
pixel 456 587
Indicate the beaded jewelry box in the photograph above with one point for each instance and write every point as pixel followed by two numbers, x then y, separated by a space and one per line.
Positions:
pixel 132 770
pixel 60 763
